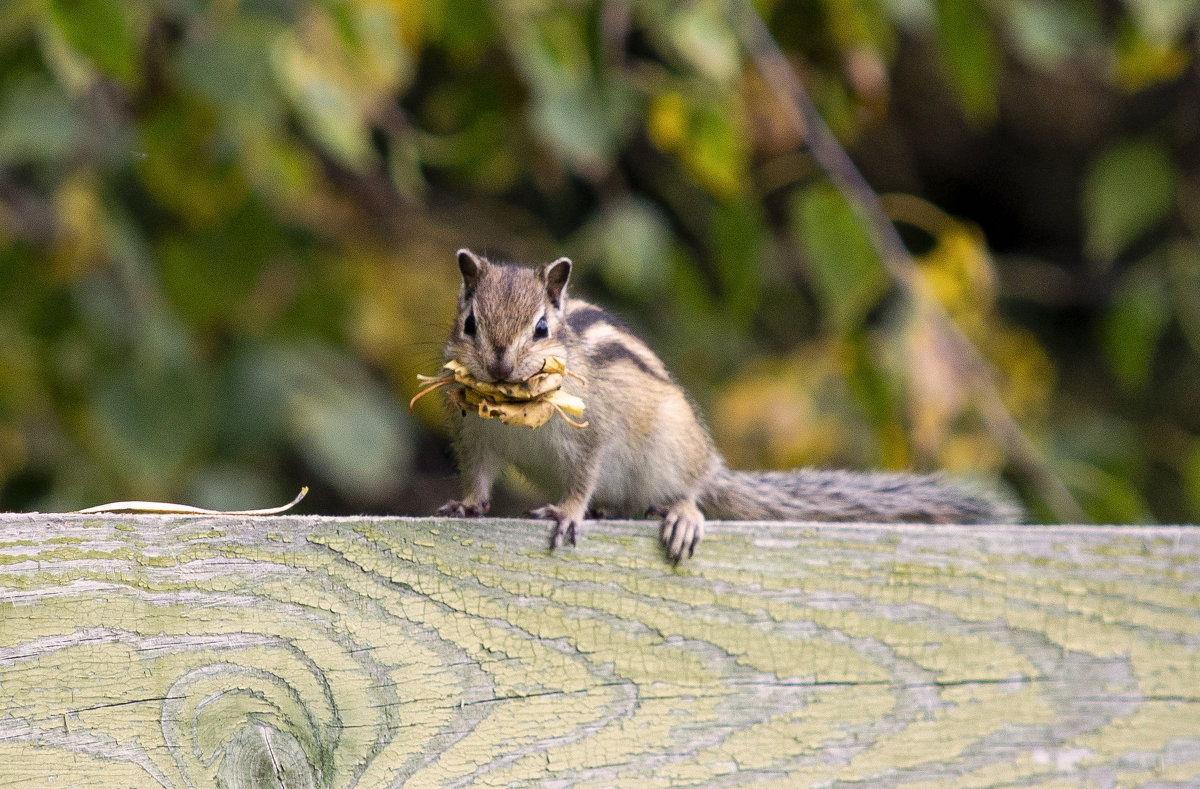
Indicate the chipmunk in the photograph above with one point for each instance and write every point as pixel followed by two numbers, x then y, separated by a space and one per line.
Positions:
pixel 645 449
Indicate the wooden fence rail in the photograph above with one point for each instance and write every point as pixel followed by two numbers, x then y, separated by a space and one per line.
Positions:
pixel 311 651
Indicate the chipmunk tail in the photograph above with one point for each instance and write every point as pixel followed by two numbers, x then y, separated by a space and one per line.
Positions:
pixel 866 497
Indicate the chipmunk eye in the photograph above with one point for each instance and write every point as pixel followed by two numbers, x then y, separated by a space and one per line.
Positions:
pixel 469 324
pixel 540 330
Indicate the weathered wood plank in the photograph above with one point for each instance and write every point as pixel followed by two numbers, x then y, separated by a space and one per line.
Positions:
pixel 175 651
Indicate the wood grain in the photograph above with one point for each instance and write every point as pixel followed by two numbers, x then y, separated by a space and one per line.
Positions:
pixel 302 651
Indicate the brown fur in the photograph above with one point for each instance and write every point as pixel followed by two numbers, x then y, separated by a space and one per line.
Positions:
pixel 646 448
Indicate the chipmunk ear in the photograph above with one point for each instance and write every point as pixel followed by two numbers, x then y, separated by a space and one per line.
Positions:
pixel 556 275
pixel 472 267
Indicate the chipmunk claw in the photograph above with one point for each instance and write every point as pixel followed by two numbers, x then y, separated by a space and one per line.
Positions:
pixel 565 527
pixel 682 528
pixel 459 509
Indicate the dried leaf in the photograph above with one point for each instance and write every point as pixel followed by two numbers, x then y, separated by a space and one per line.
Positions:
pixel 165 508
pixel 528 403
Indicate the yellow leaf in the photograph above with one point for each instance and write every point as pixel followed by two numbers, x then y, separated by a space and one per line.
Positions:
pixel 668 121
pixel 528 403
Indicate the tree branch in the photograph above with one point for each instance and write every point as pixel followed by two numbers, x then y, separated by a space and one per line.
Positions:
pixel 971 367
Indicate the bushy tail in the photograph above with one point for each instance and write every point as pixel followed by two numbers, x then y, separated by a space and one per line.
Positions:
pixel 817 495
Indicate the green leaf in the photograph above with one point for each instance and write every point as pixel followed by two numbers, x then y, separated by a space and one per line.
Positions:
pixel 22 389
pixel 210 274
pixel 1129 189
pixel 970 56
pixel 230 486
pixel 701 33
pixel 630 242
pixel 716 151
pixel 325 102
pixel 347 427
pixel 1142 61
pixel 1183 265
pixel 1048 33
pixel 1191 472
pixel 149 424
pixel 352 435
pixel 1134 325
pixel 737 233
pixel 1163 21
pixel 465 28
pixel 184 169
pixel 231 69
pixel 582 125
pixel 37 123
pixel 101 30
pixel 844 267
pixel 579 114
pixel 1105 496
pixel 1102 460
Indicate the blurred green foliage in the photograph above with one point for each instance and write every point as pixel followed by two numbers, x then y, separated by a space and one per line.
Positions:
pixel 226 233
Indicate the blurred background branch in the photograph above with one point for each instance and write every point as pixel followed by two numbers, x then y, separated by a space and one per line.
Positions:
pixel 226 233
pixel 972 372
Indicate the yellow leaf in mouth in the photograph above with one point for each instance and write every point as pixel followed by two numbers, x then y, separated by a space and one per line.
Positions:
pixel 528 403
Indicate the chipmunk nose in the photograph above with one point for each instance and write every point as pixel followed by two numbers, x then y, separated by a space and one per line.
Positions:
pixel 499 368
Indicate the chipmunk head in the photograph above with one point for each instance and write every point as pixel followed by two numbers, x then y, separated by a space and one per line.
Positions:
pixel 510 318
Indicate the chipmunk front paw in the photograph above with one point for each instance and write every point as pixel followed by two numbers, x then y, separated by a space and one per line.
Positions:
pixel 565 526
pixel 682 528
pixel 459 509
